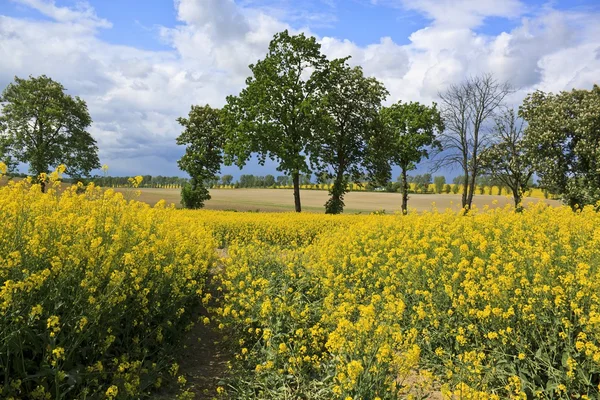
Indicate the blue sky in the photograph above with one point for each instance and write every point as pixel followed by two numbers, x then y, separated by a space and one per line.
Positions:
pixel 141 64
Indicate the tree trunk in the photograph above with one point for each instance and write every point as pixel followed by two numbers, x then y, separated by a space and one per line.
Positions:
pixel 296 180
pixel 465 189
pixel 43 186
pixel 471 191
pixel 517 199
pixel 335 205
pixel 404 192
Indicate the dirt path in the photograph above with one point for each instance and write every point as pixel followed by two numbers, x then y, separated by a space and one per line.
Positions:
pixel 203 363
pixel 203 357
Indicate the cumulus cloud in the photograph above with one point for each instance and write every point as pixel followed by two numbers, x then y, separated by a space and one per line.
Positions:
pixel 135 95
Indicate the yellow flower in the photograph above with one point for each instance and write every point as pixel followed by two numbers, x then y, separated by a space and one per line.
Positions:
pixel 112 392
pixel 35 311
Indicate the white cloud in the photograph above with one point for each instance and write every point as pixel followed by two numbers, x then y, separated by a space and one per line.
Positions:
pixel 82 14
pixel 464 13
pixel 135 95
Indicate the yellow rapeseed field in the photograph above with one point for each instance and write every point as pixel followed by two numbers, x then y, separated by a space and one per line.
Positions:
pixel 95 289
pixel 491 305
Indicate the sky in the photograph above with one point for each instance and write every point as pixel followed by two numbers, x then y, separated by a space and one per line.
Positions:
pixel 141 64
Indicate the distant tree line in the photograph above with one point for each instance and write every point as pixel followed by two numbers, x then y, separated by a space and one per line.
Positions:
pixel 148 181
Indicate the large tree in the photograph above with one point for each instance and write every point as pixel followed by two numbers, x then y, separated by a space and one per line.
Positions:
pixel 410 132
pixel 507 161
pixel 274 114
pixel 349 108
pixel 43 126
pixel 563 135
pixel 466 108
pixel 204 139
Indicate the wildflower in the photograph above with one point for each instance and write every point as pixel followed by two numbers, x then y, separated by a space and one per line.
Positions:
pixel 112 392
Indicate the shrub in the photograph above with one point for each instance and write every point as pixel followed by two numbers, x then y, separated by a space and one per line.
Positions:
pixel 193 195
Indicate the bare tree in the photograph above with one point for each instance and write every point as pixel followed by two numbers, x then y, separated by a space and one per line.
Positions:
pixel 466 107
pixel 508 160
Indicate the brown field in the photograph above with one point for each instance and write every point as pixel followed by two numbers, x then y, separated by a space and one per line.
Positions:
pixel 278 200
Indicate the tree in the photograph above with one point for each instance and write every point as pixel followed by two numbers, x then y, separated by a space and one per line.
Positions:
pixel 458 180
pixel 439 182
pixel 410 130
pixel 227 179
pixel 466 108
pixel 349 108
pixel 282 180
pixel 507 160
pixel 269 180
pixel 305 179
pixel 274 115
pixel 204 139
pixel 422 182
pixel 43 126
pixel 247 181
pixel 563 136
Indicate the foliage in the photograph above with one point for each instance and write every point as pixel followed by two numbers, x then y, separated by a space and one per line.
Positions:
pixel 410 130
pixel 349 106
pixel 273 115
pixel 507 160
pixel 193 195
pixel 439 182
pixel 43 126
pixel 227 179
pixel 204 140
pixel 149 181
pixel 564 139
pixel 94 291
pixel 421 182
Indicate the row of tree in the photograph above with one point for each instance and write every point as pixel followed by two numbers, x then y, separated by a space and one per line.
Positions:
pixel 312 115
pixel 148 181
pixel 324 117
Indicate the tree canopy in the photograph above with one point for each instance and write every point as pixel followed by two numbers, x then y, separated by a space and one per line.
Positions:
pixel 410 131
pixel 274 114
pixel 204 140
pixel 507 160
pixel 43 126
pixel 563 135
pixel 348 107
